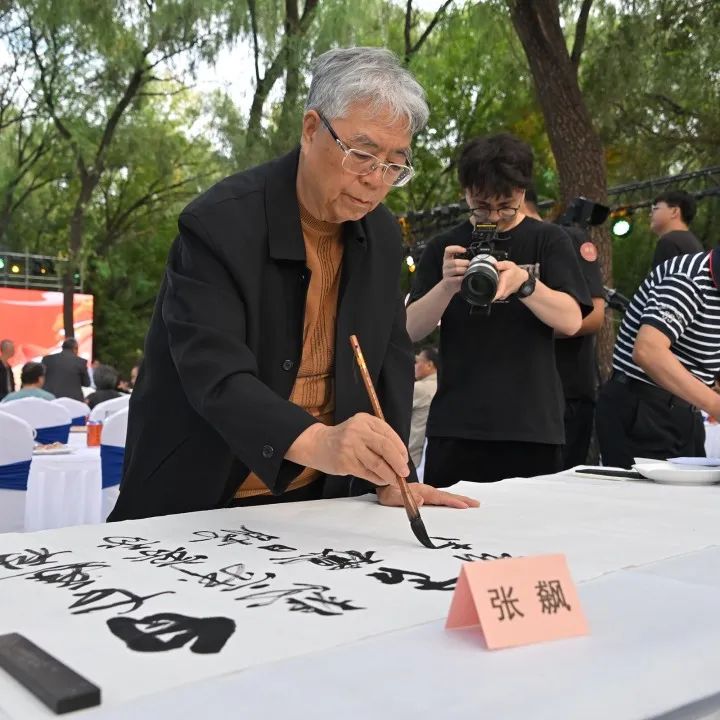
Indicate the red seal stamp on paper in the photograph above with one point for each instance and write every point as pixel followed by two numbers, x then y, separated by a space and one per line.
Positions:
pixel 588 252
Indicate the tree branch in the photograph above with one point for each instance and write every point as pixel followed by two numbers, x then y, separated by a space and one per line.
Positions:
pixel 131 89
pixel 431 26
pixel 408 28
pixel 256 45
pixel 580 33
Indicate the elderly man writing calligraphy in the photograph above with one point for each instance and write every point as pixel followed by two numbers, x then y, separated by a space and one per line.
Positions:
pixel 247 393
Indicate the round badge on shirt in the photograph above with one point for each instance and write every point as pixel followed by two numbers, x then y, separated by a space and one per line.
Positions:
pixel 589 251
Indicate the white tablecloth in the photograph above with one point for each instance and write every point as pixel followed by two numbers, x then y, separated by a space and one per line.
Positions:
pixel 645 557
pixel 712 439
pixel 65 489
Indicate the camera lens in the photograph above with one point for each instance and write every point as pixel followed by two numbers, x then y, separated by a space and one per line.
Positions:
pixel 480 281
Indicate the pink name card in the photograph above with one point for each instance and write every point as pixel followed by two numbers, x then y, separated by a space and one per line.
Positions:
pixel 518 601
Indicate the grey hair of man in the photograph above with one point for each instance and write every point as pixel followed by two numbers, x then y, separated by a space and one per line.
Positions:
pixel 371 76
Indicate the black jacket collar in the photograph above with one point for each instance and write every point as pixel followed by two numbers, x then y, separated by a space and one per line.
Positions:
pixel 285 238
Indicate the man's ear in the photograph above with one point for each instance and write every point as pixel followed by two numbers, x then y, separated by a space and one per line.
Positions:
pixel 310 127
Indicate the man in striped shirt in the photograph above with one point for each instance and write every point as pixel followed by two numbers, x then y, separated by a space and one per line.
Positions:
pixel 666 358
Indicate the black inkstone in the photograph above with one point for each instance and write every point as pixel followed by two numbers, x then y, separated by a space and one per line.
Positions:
pixel 52 682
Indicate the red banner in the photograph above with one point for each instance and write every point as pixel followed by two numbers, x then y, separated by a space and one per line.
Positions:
pixel 33 320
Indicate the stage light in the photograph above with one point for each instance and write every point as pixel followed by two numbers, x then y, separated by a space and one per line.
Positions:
pixel 621 222
pixel 15 268
pixel 2 263
pixel 621 227
pixel 410 263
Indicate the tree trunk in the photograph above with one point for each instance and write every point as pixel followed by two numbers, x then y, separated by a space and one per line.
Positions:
pixel 292 85
pixel 75 245
pixel 576 146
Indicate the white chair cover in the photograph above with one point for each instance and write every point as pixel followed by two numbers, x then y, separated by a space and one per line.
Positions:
pixel 16 446
pixel 39 413
pixel 105 409
pixel 76 408
pixel 114 433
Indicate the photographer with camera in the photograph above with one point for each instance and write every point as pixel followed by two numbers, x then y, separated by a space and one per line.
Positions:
pixel 498 411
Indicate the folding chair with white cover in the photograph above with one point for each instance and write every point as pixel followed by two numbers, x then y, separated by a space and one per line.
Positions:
pixel 112 454
pixel 16 451
pixel 78 410
pixel 102 411
pixel 52 422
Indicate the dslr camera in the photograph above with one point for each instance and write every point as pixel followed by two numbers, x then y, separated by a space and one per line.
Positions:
pixel 480 281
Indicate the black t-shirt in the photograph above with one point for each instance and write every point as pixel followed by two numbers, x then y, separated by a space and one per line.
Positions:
pixel 576 356
pixel 497 377
pixel 676 242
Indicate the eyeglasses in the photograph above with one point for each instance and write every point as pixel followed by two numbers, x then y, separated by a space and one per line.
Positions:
pixel 504 213
pixel 362 163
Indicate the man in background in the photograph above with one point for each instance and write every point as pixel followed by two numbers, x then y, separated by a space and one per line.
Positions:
pixel 426 365
pixel 106 380
pixel 66 373
pixel 670 215
pixel 498 411
pixel 575 354
pixel 667 356
pixel 7 381
pixel 32 379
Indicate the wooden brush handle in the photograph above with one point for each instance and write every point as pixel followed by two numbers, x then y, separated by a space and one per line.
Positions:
pixel 408 499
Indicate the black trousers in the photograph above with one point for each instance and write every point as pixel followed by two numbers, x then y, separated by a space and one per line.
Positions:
pixel 579 416
pixel 449 460
pixel 634 419
pixel 313 491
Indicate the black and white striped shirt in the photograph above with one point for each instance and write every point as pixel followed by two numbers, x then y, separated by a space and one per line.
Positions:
pixel 680 299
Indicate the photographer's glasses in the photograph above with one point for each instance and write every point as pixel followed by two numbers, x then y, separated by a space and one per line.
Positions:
pixel 504 213
pixel 362 163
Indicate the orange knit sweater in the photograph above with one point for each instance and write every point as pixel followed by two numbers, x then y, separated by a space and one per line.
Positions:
pixel 314 388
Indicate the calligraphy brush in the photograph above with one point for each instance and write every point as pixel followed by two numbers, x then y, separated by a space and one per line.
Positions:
pixel 411 508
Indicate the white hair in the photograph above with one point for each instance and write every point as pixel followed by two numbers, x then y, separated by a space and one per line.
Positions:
pixel 372 76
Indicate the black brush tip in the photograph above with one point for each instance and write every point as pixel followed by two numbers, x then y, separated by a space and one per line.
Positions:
pixel 418 528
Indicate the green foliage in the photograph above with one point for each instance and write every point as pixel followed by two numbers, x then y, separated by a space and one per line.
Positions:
pixel 649 74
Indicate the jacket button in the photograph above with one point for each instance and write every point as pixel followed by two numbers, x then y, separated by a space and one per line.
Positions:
pixel 288 365
pixel 268 451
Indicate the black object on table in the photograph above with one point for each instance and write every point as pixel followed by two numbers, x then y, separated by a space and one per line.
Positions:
pixel 51 681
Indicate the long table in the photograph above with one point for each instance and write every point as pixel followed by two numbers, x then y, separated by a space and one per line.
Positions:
pixel 330 609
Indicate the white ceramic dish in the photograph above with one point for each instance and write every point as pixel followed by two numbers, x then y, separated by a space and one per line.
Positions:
pixel 668 474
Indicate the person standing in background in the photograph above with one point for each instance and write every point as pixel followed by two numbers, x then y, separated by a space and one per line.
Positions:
pixel 426 366
pixel 670 215
pixel 66 372
pixel 575 354
pixel 7 381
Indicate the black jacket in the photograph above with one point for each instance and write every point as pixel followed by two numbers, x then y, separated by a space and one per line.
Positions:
pixel 66 374
pixel 7 381
pixel 101 396
pixel 225 341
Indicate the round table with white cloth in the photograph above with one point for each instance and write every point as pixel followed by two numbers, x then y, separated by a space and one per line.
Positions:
pixel 65 489
pixel 712 440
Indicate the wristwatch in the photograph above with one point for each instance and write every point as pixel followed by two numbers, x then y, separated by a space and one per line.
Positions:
pixel 528 287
